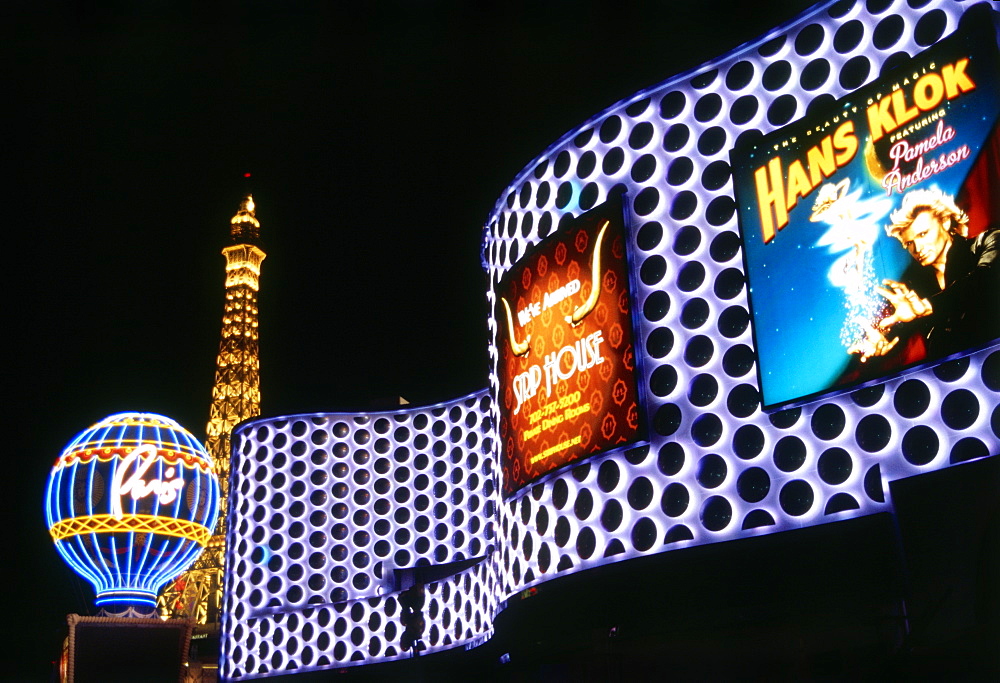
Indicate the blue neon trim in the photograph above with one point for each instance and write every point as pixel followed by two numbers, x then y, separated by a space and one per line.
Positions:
pixel 73 560
pixel 90 487
pixel 139 567
pixel 52 481
pixel 117 578
pixel 138 573
pixel 83 558
pixel 72 486
pixel 129 557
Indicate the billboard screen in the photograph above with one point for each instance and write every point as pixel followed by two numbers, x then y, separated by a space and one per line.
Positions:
pixel 567 360
pixel 869 226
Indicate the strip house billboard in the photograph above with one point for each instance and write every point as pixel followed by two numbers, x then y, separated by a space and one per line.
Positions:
pixel 567 360
pixel 869 226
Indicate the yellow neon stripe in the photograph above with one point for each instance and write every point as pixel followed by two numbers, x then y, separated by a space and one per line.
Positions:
pixel 151 524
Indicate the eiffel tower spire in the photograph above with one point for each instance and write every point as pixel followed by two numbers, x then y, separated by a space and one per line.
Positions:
pixel 236 392
pixel 197 594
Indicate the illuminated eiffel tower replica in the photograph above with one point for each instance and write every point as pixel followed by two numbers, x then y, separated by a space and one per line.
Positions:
pixel 197 594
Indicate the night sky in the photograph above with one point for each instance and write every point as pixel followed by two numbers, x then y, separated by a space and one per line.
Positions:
pixel 378 139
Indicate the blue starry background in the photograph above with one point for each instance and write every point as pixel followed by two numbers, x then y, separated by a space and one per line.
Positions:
pixel 797 312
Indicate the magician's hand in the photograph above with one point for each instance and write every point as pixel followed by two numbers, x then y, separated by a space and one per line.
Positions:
pixel 873 344
pixel 909 306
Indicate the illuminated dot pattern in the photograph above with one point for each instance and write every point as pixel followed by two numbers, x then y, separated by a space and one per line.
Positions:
pixel 717 467
pixel 321 514
pixel 326 507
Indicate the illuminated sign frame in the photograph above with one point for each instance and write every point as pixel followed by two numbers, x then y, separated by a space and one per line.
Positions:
pixel 836 300
pixel 568 362
pixel 130 504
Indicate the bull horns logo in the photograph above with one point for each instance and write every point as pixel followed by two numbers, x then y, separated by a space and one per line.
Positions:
pixel 518 348
pixel 595 283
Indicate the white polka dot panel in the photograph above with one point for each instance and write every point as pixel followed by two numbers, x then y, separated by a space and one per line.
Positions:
pixel 327 509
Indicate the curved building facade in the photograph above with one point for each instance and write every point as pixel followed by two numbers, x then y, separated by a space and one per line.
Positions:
pixel 629 324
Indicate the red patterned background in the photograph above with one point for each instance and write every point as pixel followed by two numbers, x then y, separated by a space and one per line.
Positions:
pixel 595 408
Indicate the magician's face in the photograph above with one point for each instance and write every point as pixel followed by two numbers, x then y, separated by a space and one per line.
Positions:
pixel 926 239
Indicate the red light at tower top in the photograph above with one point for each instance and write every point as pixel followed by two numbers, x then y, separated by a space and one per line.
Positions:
pixel 246 175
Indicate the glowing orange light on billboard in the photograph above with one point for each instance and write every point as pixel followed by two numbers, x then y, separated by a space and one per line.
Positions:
pixel 567 362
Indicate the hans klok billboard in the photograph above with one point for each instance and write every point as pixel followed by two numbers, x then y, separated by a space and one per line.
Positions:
pixel 870 226
pixel 567 360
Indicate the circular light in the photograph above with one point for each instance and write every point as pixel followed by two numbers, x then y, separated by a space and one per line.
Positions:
pixel 130 503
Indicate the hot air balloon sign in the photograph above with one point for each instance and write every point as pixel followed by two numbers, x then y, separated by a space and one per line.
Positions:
pixel 130 503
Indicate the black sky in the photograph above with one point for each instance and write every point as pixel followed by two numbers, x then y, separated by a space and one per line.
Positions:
pixel 379 138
